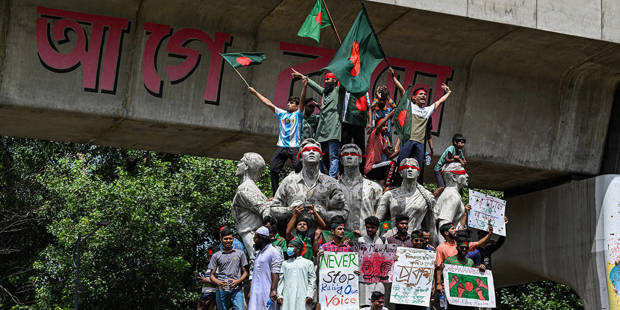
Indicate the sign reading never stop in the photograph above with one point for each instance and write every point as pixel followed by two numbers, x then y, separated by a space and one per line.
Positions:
pixel 97 47
pixel 338 282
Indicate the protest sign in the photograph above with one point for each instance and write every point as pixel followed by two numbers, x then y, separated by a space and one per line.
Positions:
pixel 486 209
pixel 338 283
pixel 376 261
pixel 467 286
pixel 413 277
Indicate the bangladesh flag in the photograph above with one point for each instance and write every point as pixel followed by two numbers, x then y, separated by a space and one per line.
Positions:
pixel 385 226
pixel 315 21
pixel 357 57
pixel 402 117
pixel 237 60
pixel 356 110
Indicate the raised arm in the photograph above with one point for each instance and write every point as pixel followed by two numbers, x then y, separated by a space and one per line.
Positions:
pixel 482 242
pixel 443 98
pixel 312 83
pixel 291 223
pixel 465 215
pixel 262 99
pixel 302 97
pixel 385 119
pixel 401 90
pixel 317 217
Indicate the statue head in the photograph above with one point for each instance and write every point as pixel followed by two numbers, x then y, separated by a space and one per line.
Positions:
pixel 251 164
pixel 454 174
pixel 409 169
pixel 350 155
pixel 310 152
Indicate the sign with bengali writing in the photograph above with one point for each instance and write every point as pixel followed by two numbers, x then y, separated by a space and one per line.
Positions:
pixel 486 209
pixel 376 261
pixel 413 277
pixel 338 283
pixel 468 286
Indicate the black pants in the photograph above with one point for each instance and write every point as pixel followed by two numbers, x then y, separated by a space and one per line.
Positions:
pixel 277 162
pixel 384 172
pixel 353 134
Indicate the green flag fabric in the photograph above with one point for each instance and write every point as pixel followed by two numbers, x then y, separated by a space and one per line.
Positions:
pixel 357 57
pixel 402 117
pixel 356 110
pixel 237 60
pixel 315 21
pixel 385 226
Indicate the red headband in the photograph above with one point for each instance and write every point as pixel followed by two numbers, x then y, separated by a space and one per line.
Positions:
pixel 403 167
pixel 419 90
pixel 351 154
pixel 309 148
pixel 459 172
pixel 330 75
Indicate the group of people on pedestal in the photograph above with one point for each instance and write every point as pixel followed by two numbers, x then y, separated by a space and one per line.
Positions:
pixel 345 189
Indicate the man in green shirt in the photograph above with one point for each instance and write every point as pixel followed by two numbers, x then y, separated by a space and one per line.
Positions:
pixel 311 122
pixel 329 129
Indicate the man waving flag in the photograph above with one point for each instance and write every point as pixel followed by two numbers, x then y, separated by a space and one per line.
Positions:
pixel 357 57
pixel 315 21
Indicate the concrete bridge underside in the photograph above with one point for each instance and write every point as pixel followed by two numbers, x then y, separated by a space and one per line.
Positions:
pixel 533 90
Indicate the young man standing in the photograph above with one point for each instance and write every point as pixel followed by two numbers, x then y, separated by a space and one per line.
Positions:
pixel 371 237
pixel 230 266
pixel 420 113
pixel 300 225
pixel 311 120
pixel 377 148
pixel 290 133
pixel 329 129
pixel 426 235
pixel 402 237
pixel 452 153
pixel 296 286
pixel 266 270
pixel 337 244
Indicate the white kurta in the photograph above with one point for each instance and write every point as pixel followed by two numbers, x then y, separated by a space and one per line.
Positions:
pixel 267 262
pixel 297 281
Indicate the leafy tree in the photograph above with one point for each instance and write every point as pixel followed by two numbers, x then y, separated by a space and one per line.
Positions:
pixel 538 296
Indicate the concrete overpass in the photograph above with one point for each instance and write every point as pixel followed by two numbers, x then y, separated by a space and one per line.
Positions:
pixel 535 83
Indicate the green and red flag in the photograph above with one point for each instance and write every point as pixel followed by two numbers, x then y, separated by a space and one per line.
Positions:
pixel 402 117
pixel 315 21
pixel 358 56
pixel 237 60
pixel 385 226
pixel 356 109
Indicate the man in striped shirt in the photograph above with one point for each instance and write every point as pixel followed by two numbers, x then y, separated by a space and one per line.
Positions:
pixel 290 121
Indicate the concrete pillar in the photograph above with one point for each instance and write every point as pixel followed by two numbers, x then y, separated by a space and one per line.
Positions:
pixel 569 234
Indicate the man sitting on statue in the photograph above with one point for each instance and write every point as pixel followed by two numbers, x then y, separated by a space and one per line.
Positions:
pixel 290 132
pixel 379 163
pixel 308 187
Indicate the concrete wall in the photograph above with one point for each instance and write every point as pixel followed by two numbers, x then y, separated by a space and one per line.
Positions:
pixel 534 105
pixel 558 234
pixel 583 18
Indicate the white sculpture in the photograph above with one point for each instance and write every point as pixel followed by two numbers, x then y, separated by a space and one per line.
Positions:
pixel 308 187
pixel 249 203
pixel 361 195
pixel 411 199
pixel 450 208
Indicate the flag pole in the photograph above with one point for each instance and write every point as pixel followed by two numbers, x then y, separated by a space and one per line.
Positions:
pixel 241 76
pixel 332 22
pixel 373 31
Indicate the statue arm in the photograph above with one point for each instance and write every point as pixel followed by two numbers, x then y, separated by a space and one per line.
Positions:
pixel 383 205
pixel 336 205
pixel 254 201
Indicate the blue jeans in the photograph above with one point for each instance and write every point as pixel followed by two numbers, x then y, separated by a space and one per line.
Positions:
pixel 331 149
pixel 412 149
pixel 227 299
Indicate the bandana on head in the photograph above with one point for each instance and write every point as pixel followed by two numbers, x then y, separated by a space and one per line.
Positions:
pixel 296 242
pixel 330 75
pixel 309 148
pixel 461 243
pixel 459 172
pixel 416 236
pixel 418 91
pixel 334 225
pixel 351 154
pixel 403 167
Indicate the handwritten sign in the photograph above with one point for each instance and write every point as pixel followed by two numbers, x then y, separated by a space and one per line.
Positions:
pixel 413 277
pixel 467 286
pixel 338 283
pixel 486 209
pixel 376 261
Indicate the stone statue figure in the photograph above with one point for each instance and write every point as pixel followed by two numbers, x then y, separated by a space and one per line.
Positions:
pixel 361 195
pixel 308 187
pixel 411 199
pixel 249 203
pixel 450 208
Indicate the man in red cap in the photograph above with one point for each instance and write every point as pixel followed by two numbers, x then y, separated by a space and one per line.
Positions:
pixel 329 129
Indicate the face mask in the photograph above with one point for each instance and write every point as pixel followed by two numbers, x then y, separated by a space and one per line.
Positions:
pixel 290 251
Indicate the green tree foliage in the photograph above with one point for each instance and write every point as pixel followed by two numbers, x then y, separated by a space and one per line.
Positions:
pixel 545 295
